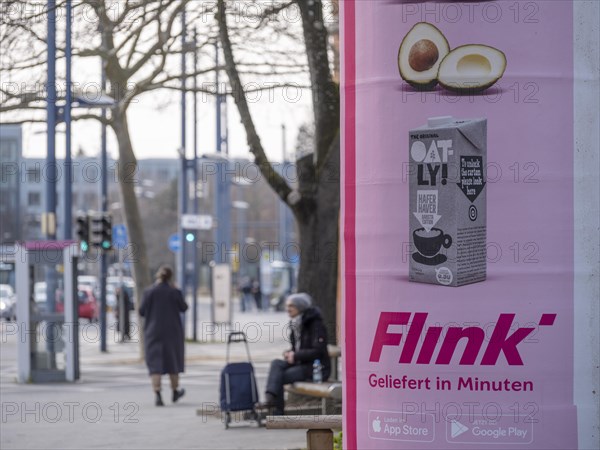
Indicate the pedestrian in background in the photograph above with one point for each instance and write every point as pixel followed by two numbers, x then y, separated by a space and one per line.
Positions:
pixel 162 305
pixel 257 293
pixel 308 337
pixel 246 297
pixel 123 304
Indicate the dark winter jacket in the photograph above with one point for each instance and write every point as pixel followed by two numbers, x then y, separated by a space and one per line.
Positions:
pixel 163 330
pixel 313 343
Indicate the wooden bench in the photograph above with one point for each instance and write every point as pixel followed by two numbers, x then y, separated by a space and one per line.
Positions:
pixel 320 428
pixel 335 353
pixel 330 392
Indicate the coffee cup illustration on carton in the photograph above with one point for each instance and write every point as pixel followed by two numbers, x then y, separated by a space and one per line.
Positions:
pixel 448 201
pixel 429 244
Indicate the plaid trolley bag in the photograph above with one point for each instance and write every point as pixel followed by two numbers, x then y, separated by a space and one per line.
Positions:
pixel 238 390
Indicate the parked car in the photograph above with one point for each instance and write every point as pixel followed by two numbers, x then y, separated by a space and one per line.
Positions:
pixel 88 305
pixel 91 281
pixel 8 302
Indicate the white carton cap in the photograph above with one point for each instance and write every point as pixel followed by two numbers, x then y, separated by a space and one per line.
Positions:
pixel 433 122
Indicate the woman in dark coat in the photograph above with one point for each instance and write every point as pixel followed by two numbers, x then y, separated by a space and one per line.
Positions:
pixel 162 305
pixel 308 337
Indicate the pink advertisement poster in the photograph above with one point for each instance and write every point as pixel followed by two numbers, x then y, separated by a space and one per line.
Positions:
pixel 458 224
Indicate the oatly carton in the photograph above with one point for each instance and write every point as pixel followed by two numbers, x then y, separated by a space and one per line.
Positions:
pixel 448 201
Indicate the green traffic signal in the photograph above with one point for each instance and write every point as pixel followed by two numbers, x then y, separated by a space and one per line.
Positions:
pixel 189 237
pixel 83 232
pixel 101 231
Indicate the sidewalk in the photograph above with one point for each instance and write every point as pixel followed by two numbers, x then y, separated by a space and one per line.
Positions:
pixel 112 405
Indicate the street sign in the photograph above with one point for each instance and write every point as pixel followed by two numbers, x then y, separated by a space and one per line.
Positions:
pixel 221 293
pixel 119 236
pixel 196 222
pixel 174 243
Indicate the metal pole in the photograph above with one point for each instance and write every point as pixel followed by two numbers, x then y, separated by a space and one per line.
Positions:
pixel 50 219
pixel 195 196
pixel 123 308
pixel 103 208
pixel 68 100
pixel 181 269
pixel 283 209
pixel 224 126
pixel 51 126
pixel 222 185
pixel 218 99
pixel 218 175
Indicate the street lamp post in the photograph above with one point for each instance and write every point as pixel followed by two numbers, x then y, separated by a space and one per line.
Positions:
pixel 49 221
pixel 195 194
pixel 183 197
pixel 50 218
pixel 222 185
pixel 283 209
pixel 103 208
pixel 68 102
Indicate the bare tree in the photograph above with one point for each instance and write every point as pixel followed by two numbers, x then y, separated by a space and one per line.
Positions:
pixel 315 204
pixel 139 46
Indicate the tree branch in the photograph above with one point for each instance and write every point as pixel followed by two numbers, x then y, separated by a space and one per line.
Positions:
pixel 325 91
pixel 89 116
pixel 22 122
pixel 273 11
pixel 161 41
pixel 277 182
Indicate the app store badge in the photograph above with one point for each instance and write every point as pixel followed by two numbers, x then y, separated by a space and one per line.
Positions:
pixel 505 430
pixel 397 426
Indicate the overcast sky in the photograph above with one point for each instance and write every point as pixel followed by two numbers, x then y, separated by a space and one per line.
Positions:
pixel 155 126
pixel 155 118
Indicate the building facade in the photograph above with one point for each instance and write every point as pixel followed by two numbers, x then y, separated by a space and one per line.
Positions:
pixel 11 144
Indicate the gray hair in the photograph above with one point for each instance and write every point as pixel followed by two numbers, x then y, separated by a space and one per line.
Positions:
pixel 302 301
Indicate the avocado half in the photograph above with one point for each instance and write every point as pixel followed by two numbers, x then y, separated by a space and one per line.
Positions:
pixel 421 52
pixel 471 68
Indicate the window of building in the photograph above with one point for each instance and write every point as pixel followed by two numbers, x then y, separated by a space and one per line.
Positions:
pixel 34 174
pixel 34 199
pixel 8 150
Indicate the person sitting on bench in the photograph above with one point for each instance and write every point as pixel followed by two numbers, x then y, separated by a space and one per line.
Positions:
pixel 308 338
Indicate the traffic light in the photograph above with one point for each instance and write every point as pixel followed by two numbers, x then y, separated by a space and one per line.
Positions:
pixel 101 231
pixel 83 232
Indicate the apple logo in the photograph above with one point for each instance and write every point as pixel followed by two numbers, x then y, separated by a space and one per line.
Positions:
pixel 377 425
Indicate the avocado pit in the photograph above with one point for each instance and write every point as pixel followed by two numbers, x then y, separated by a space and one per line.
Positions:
pixel 423 55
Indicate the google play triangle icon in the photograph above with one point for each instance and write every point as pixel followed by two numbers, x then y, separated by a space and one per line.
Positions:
pixel 457 429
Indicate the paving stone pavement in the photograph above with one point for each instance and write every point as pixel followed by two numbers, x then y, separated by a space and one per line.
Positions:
pixel 112 405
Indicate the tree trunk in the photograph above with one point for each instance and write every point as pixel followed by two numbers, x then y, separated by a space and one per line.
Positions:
pixel 127 175
pixel 319 240
pixel 316 209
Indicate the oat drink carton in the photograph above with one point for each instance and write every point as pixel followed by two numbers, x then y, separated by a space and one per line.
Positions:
pixel 448 201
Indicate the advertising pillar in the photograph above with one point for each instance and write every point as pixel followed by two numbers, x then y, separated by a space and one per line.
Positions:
pixel 463 224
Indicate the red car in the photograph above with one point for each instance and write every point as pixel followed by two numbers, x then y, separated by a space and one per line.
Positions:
pixel 88 305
